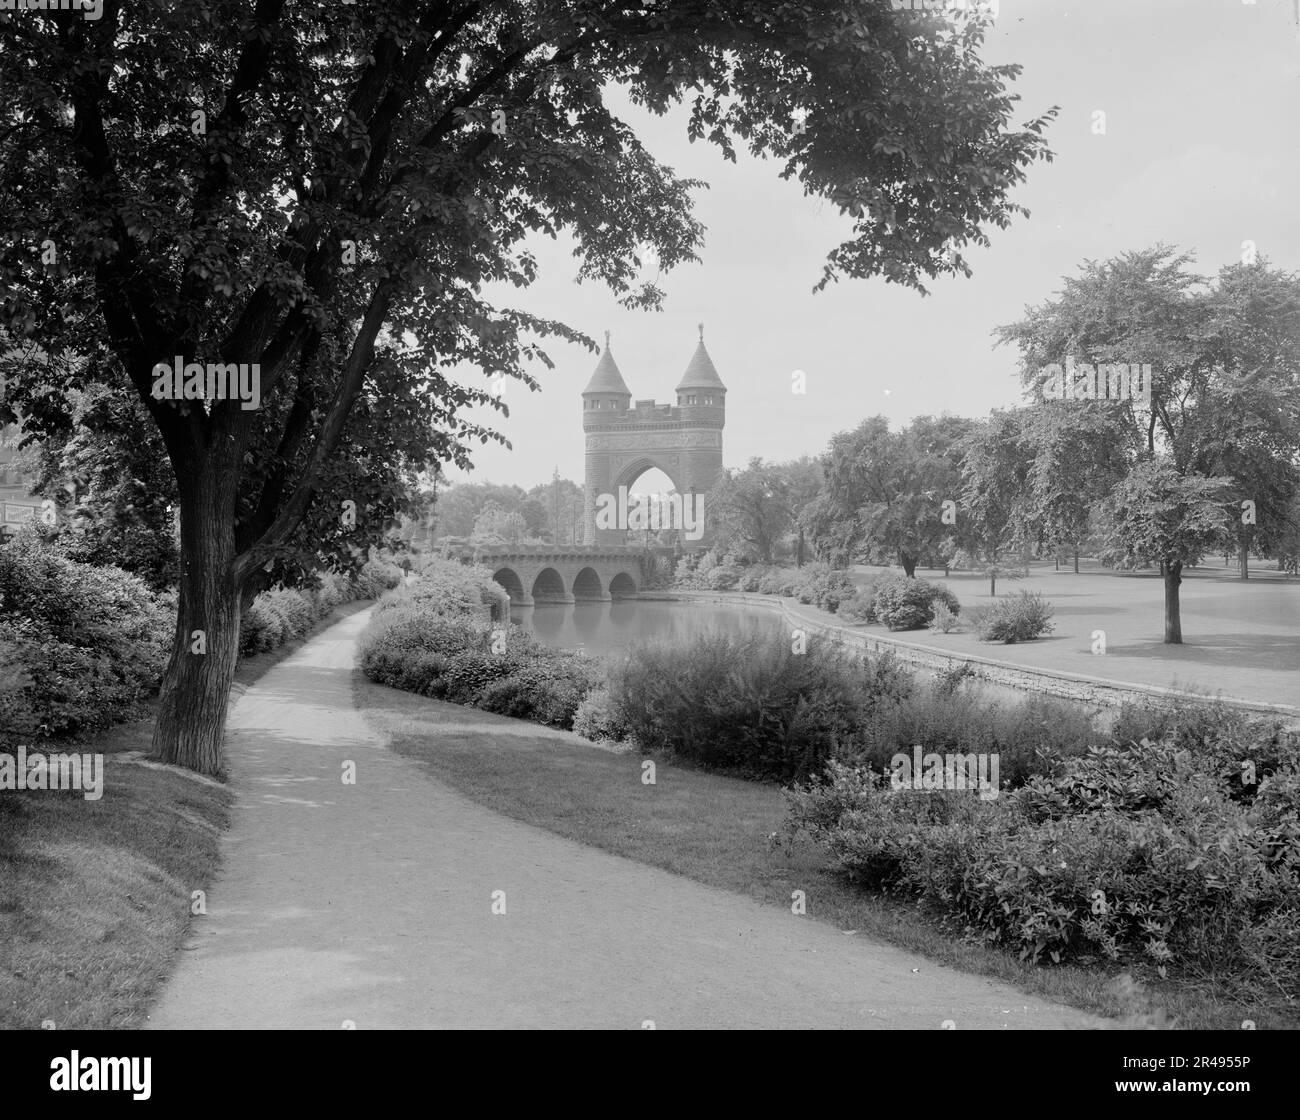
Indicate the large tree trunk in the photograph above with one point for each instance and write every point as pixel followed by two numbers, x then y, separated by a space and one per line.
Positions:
pixel 908 562
pixel 1076 560
pixel 1173 618
pixel 1243 558
pixel 195 691
pixel 993 583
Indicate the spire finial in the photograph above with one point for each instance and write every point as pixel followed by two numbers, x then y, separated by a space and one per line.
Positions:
pixel 701 332
pixel 607 340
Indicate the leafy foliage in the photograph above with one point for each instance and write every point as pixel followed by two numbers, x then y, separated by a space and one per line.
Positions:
pixel 1019 618
pixel 909 604
pixel 745 703
pixel 1134 852
pixel 84 646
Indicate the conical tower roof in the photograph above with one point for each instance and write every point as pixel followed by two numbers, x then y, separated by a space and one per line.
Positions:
pixel 700 374
pixel 606 378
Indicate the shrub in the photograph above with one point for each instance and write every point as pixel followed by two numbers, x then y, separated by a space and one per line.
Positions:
pixel 376 577
pixel 1135 852
pixel 1015 618
pixel 83 645
pixel 776 581
pixel 832 589
pixel 282 614
pixel 721 578
pixel 598 718
pixel 449 589
pixel 435 637
pixel 1030 737
pixel 548 690
pixel 861 605
pixel 944 620
pixel 744 703
pixel 749 579
pixel 908 604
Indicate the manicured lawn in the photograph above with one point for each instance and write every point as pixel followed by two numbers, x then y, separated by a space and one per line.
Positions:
pixel 1241 639
pixel 719 831
pixel 95 896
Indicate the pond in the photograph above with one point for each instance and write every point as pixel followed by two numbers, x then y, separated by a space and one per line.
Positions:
pixel 603 628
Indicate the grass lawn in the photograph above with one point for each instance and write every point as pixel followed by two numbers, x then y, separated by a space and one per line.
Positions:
pixel 1239 639
pixel 716 830
pixel 95 896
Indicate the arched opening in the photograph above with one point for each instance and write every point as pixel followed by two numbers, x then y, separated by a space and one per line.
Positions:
pixel 658 512
pixel 622 586
pixel 509 579
pixel 548 587
pixel 587 585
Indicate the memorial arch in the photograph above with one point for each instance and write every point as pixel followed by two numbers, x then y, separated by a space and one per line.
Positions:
pixel 624 440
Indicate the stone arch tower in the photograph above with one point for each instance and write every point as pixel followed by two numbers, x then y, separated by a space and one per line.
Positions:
pixel 684 440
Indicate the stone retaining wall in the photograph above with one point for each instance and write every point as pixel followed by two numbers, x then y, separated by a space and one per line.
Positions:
pixel 1088 690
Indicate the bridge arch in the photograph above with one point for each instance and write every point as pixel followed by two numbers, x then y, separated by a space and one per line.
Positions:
pixel 548 587
pixel 587 585
pixel 509 579
pixel 622 586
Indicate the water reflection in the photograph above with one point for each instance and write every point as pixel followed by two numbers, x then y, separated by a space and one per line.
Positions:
pixel 601 628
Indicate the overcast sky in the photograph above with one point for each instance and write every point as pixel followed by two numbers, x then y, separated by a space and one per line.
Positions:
pixel 1202 150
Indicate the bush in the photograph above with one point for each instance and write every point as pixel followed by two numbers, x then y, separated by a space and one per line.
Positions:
pixel 1016 618
pixel 83 646
pixel 861 605
pixel 908 604
pixel 721 578
pixel 749 579
pixel 599 719
pixel 944 620
pixel 449 589
pixel 284 614
pixel 1030 737
pixel 832 589
pixel 436 637
pixel 1134 852
pixel 376 577
pixel 550 690
pixel 743 703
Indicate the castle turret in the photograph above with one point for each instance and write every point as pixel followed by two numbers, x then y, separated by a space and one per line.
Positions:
pixel 701 395
pixel 606 391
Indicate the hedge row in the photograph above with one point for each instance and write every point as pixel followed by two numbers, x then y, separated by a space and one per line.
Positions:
pixel 1170 851
pixel 448 636
pixel 286 614
pixel 84 647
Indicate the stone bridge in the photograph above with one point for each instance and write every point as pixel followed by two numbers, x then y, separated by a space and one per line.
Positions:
pixel 546 573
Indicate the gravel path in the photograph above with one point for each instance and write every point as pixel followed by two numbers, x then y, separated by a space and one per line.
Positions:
pixel 371 904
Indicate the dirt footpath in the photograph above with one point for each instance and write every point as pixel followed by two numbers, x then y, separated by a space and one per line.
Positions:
pixel 372 904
